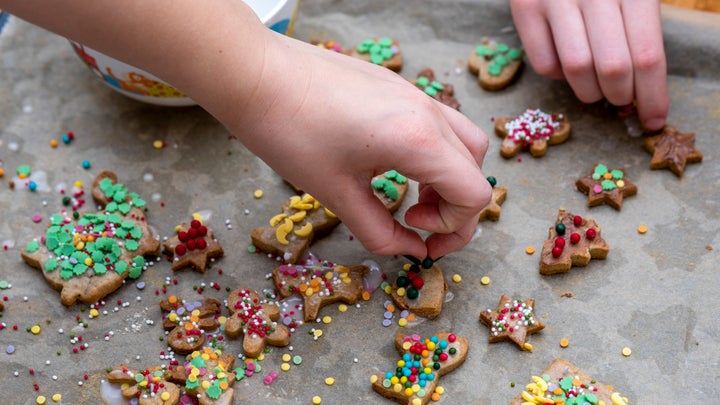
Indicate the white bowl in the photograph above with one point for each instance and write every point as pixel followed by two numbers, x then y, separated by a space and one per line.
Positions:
pixel 278 15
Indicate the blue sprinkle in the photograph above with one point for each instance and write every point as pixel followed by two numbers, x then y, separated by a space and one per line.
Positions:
pixel 32 186
pixel 66 138
pixel 10 349
pixel 86 164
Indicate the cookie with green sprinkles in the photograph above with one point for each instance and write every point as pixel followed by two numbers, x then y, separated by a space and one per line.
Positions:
pixel 442 92
pixel 208 375
pixel 563 383
pixel 390 187
pixel 149 387
pixel 88 256
pixel 496 65
pixel 606 186
pixel 382 51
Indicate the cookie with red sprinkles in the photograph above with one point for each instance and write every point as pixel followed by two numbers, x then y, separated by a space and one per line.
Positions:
pixel 207 375
pixel 423 361
pixel 572 241
pixel 420 289
pixel 193 245
pixel 532 130
pixel 256 320
pixel 148 387
pixel 511 320
pixel 563 383
pixel 188 322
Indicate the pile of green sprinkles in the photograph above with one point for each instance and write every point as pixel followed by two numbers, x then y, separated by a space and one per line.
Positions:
pixel 386 183
pixel 379 50
pixel 117 195
pixel 431 88
pixel 499 56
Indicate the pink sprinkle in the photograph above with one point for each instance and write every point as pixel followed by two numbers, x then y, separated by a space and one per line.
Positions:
pixel 597 189
pixel 37 218
pixel 267 380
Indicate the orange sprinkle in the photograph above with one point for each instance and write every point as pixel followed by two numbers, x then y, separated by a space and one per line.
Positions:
pixel 303 287
pixel 223 385
pixel 53 143
pixel 315 283
pixel 576 382
pixel 642 229
pixel 558 391
pixel 365 296
pixel 172 299
pixel 435 396
pixel 410 317
pixel 564 342
pixel 188 326
pixel 529 250
pixel 390 307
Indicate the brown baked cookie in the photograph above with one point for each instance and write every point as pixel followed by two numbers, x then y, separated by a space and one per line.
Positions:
pixel 442 92
pixel 301 220
pixel 380 51
pixel 533 130
pixel 492 211
pixel 420 290
pixel 149 387
pixel 605 186
pixel 672 150
pixel 188 321
pixel 572 241
pixel 496 65
pixel 512 320
pixel 442 352
pixel 207 375
pixel 320 284
pixel 390 187
pixel 256 321
pixel 87 256
pixel 562 382
pixel 193 245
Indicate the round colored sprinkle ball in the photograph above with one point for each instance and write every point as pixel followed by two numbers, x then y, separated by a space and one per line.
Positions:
pixel 626 351
pixel 485 280
pixel 86 164
pixel 492 180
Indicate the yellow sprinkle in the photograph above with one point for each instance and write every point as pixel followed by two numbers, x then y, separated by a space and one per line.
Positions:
pixel 53 143
pixel 94 313
pixel 196 216
pixel 564 342
pixel 402 322
pixel 78 184
pixel 400 291
pixel 620 183
pixel 88 261
pixel 286 357
pixel 158 144
pixel 373 378
pixel 327 319
pixel 35 329
pixel 40 400
pixel 528 347
pixel 317 400
pixel 165 396
pixel 485 280
pixel 57 398
pixel 529 250
pixel 261 356
pixel 626 351
pixel 318 332
pixel 642 229
pixel 329 381
pixel 440 390
pixel 285 367
pixel 456 278
pixel 258 193
pixel 342 308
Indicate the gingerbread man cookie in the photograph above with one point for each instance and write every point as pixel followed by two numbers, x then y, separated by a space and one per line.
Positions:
pixel 563 383
pixel 605 186
pixel 151 386
pixel 188 322
pixel 672 150
pixel 573 241
pixel 207 375
pixel 193 245
pixel 422 362
pixel 320 284
pixel 420 289
pixel 88 256
pixel 380 51
pixel 492 211
pixel 390 187
pixel 496 65
pixel 512 320
pixel 256 321
pixel 533 130
pixel 442 92
pixel 301 220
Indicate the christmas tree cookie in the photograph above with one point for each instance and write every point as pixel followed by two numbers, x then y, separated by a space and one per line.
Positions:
pixel 533 130
pixel 572 241
pixel 420 288
pixel 496 65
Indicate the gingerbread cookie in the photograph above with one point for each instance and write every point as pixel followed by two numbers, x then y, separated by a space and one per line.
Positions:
pixel 422 362
pixel 420 289
pixel 390 187
pixel 320 284
pixel 188 322
pixel 605 186
pixel 207 375
pixel 151 386
pixel 533 130
pixel 380 51
pixel 672 150
pixel 563 383
pixel 512 320
pixel 87 256
pixel 442 92
pixel 301 220
pixel 573 241
pixel 194 245
pixel 496 65
pixel 256 321
pixel 492 211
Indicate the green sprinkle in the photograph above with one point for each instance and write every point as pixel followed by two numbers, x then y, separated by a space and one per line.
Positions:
pixel 297 360
pixel 24 170
pixel 31 247
pixel 4 285
pixel 494 69
pixel 608 185
pixel 616 174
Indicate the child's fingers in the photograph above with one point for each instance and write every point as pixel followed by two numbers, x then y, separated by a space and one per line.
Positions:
pixel 440 244
pixel 472 137
pixel 537 38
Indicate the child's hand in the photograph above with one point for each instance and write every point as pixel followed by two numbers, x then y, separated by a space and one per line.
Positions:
pixel 604 48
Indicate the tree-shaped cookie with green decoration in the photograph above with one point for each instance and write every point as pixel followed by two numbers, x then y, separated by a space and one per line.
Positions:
pixel 442 92
pixel 382 51
pixel 88 256
pixel 606 186
pixel 390 187
pixel 496 65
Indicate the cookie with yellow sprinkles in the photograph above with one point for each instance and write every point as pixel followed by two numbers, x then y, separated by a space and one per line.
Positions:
pixel 416 377
pixel 207 375
pixel 148 387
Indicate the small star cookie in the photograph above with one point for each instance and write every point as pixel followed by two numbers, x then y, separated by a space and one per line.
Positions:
pixel 492 211
pixel 422 362
pixel 672 150
pixel 420 290
pixel 151 386
pixel 573 241
pixel 194 245
pixel 512 320
pixel 256 321
pixel 533 130
pixel 320 284
pixel 442 92
pixel 605 186
pixel 382 51
pixel 187 322
pixel 496 65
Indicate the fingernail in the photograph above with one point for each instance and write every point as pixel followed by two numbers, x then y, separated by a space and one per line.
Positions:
pixel 654 123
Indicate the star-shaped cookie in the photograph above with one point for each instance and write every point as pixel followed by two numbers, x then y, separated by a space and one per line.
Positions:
pixel 320 284
pixel 194 245
pixel 512 320
pixel 256 321
pixel 533 130
pixel 672 150
pixel 423 361
pixel 605 186
pixel 572 241
pixel 442 92
pixel 188 321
